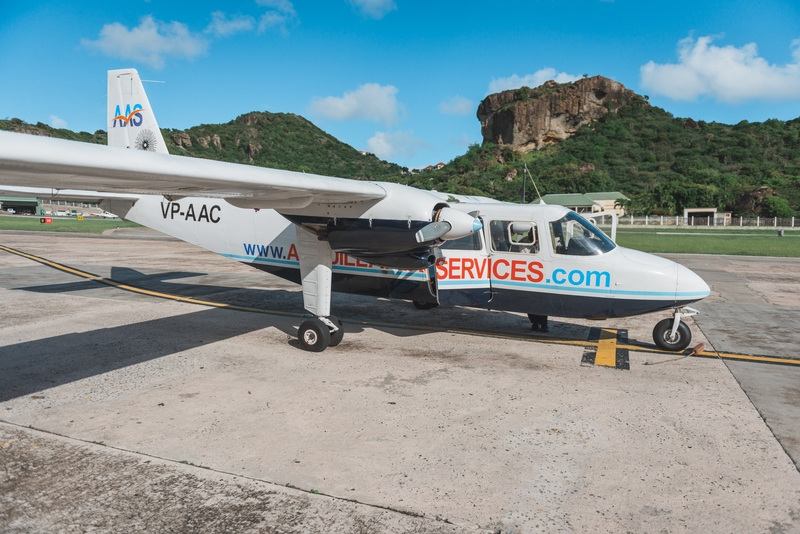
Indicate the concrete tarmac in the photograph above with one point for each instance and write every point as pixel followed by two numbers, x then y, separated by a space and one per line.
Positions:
pixel 754 308
pixel 103 393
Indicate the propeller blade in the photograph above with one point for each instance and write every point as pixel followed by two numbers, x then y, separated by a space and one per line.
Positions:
pixel 433 231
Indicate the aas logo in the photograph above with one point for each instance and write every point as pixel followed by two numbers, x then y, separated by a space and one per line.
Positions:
pixel 132 117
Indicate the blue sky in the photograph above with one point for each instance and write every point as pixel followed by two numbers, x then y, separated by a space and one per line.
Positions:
pixel 400 78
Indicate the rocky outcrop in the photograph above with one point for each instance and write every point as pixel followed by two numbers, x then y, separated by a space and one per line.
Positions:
pixel 529 119
pixel 182 139
pixel 206 139
pixel 251 150
pixel 249 118
pixel 752 201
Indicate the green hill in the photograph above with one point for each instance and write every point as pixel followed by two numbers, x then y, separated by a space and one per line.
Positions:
pixel 277 140
pixel 663 163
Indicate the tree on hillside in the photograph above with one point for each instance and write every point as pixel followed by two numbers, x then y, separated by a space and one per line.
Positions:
pixel 777 207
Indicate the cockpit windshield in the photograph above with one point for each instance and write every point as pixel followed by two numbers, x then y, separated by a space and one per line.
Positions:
pixel 575 236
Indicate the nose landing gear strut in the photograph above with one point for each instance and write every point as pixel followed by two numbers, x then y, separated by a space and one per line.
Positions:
pixel 673 334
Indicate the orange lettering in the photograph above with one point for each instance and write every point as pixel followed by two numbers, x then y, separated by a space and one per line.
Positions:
pixel 518 270
pixel 455 268
pixel 466 267
pixel 534 268
pixel 481 268
pixel 441 269
pixel 360 263
pixel 495 271
pixel 292 252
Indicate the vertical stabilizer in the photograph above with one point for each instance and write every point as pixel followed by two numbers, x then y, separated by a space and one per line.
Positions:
pixel 131 121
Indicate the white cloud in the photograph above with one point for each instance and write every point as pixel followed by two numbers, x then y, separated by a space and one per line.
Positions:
pixel 457 105
pixel 375 9
pixel 57 122
pixel 728 74
pixel 222 26
pixel 370 101
pixel 387 145
pixel 530 80
pixel 279 16
pixel 149 42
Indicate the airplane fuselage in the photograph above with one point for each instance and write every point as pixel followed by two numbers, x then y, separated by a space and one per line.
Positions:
pixel 494 268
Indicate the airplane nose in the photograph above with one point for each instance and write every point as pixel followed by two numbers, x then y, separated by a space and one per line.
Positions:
pixel 689 286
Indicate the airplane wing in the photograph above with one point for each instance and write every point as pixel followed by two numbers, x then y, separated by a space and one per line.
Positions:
pixel 27 160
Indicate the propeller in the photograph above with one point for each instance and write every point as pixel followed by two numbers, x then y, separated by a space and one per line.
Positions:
pixel 449 224
pixel 433 231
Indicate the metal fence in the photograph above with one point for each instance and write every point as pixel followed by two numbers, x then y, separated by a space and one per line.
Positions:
pixel 691 221
pixel 70 203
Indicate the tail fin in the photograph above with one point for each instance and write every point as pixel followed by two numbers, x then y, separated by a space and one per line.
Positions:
pixel 131 121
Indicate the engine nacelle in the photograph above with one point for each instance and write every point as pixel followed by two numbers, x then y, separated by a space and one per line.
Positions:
pixel 462 224
pixel 448 223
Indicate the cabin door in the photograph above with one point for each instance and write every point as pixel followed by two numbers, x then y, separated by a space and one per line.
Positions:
pixel 462 273
pixel 518 266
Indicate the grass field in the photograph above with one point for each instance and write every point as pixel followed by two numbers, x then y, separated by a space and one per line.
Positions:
pixel 66 224
pixel 733 241
pixel 714 240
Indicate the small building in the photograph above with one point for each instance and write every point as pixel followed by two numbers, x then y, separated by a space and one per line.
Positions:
pixel 575 201
pixel 588 202
pixel 438 166
pixel 609 201
pixel 21 205
pixel 706 217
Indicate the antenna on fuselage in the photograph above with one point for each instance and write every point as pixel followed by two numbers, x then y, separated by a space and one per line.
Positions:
pixel 534 186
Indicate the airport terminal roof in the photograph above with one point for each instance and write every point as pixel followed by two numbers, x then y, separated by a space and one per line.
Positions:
pixel 607 195
pixel 568 199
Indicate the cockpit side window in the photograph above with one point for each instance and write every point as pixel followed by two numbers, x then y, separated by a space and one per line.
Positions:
pixel 575 236
pixel 510 236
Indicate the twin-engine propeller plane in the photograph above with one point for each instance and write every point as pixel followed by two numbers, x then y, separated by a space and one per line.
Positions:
pixel 369 238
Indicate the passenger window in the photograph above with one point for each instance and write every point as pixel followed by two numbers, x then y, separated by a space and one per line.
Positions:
pixel 470 242
pixel 509 236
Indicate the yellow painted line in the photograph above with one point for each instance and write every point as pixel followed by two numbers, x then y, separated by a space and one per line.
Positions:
pixel 607 349
pixel 134 289
pixel 517 337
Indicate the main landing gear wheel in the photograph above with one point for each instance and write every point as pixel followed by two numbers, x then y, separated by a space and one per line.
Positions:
pixel 336 337
pixel 314 335
pixel 424 305
pixel 662 335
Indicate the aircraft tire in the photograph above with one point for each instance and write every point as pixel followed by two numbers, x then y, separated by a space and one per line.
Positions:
pixel 336 337
pixel 314 335
pixel 662 331
pixel 425 305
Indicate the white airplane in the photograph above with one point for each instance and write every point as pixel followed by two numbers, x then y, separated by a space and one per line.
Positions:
pixel 370 238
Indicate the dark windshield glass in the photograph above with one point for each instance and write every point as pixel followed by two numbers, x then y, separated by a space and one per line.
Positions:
pixel 575 236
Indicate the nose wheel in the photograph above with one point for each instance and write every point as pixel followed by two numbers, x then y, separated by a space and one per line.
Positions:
pixel 673 334
pixel 318 333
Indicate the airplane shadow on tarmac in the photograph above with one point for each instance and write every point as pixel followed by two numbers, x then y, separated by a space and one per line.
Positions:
pixel 32 366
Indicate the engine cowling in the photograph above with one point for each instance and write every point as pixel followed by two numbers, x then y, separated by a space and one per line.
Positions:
pixel 448 224
pixel 399 231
